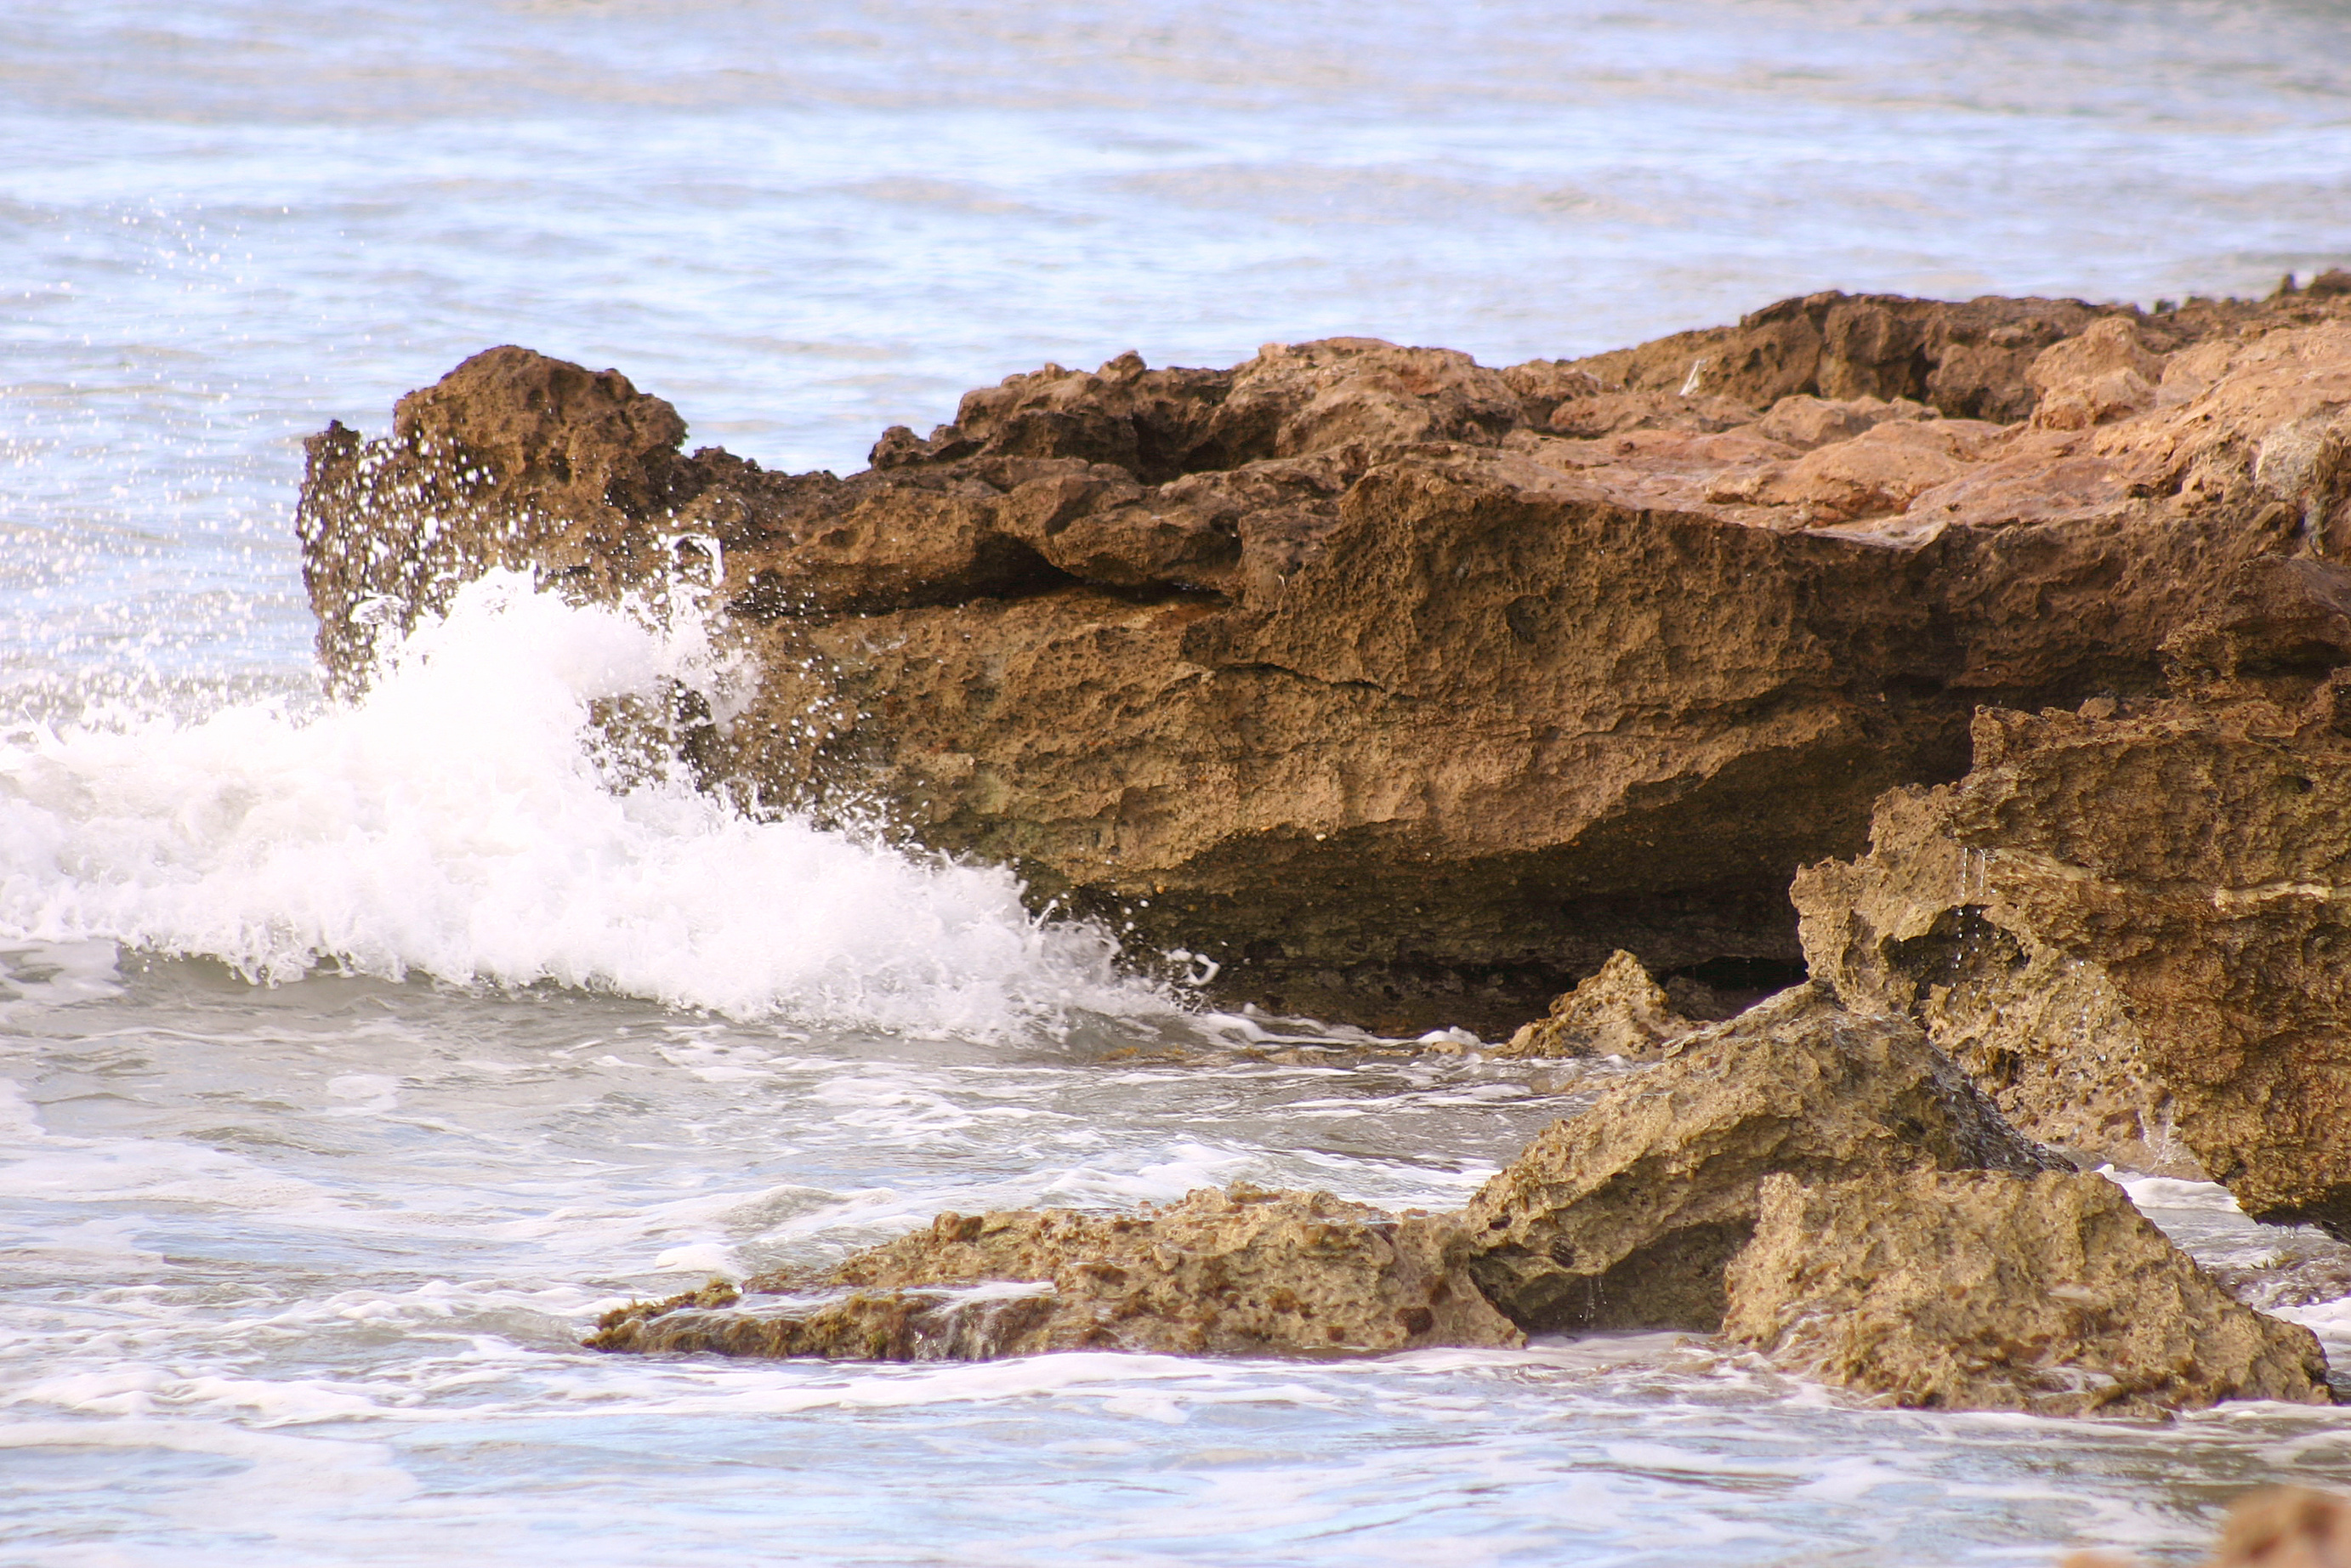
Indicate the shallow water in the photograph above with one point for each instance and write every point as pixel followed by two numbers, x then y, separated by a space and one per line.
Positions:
pixel 300 1273
pixel 352 1060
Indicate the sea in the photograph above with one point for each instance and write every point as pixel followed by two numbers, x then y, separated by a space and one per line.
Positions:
pixel 355 1056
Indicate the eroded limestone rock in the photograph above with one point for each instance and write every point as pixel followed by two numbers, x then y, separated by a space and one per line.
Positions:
pixel 1992 1290
pixel 1241 1271
pixel 1826 1187
pixel 1624 1216
pixel 2131 924
pixel 1620 1012
pixel 1406 689
pixel 2270 1526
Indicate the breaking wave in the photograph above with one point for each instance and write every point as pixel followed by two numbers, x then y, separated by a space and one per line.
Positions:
pixel 456 823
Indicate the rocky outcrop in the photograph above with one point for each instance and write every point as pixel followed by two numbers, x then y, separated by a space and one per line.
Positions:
pixel 1827 1189
pixel 1238 1273
pixel 1990 1290
pixel 1969 359
pixel 1624 1216
pixel 1620 1012
pixel 1404 689
pixel 2130 923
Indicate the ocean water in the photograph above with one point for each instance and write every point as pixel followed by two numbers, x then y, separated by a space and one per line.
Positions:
pixel 352 1060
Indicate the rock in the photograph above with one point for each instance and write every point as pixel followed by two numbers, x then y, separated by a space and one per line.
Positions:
pixel 511 460
pixel 2130 923
pixel 2286 1527
pixel 1543 384
pixel 1804 422
pixel 1611 412
pixel 2274 1526
pixel 1243 1271
pixel 1992 1290
pixel 976 1323
pixel 1876 473
pixel 1624 1216
pixel 1968 358
pixel 1620 1012
pixel 2104 374
pixel 1345 668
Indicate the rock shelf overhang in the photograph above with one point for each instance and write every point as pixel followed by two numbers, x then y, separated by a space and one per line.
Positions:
pixel 1406 689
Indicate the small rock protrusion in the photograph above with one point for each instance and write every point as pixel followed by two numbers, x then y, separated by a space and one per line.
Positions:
pixel 1994 1290
pixel 1620 1012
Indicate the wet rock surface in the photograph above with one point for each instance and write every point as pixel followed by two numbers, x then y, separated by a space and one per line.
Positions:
pixel 1624 1216
pixel 1987 1291
pixel 1239 1271
pixel 2130 926
pixel 1827 1189
pixel 1404 689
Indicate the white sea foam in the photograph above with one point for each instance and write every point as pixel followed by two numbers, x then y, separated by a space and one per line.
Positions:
pixel 455 823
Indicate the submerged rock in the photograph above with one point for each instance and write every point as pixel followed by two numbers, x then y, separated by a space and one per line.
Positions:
pixel 1624 1216
pixel 2131 927
pixel 1237 1272
pixel 1992 1290
pixel 1620 1012
pixel 1404 689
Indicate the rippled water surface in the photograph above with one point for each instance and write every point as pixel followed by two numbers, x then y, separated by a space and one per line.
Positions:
pixel 352 1061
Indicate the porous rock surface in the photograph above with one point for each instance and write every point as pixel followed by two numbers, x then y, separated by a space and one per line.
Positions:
pixel 1992 1290
pixel 2132 926
pixel 1237 1271
pixel 1620 1012
pixel 1624 1216
pixel 1404 688
pixel 1788 1179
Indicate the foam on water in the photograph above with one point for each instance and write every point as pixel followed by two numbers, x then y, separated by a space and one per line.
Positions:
pixel 296 1273
pixel 458 821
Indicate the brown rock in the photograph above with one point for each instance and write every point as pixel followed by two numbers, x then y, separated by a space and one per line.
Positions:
pixel 1968 358
pixel 1804 422
pixel 2104 374
pixel 1612 413
pixel 1543 384
pixel 2129 926
pixel 1620 1012
pixel 1238 1272
pixel 1625 1215
pixel 1992 1290
pixel 1876 473
pixel 1340 669
pixel 2286 1527
pixel 2274 1527
pixel 511 460
pixel 975 1323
